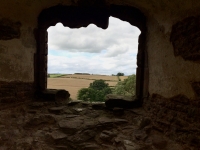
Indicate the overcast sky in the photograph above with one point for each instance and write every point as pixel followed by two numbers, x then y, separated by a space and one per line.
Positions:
pixel 93 50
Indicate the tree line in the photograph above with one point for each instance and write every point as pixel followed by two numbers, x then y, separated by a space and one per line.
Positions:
pixel 98 89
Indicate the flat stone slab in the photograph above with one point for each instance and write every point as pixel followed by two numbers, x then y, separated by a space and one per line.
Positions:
pixel 90 146
pixel 72 116
pixel 41 119
pixel 70 126
pixel 57 135
pixel 79 109
pixel 121 101
pixel 107 135
pixel 105 120
pixel 36 105
pixel 98 106
pixel 73 103
pixel 57 110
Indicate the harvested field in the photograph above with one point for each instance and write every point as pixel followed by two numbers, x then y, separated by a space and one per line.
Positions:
pixel 92 77
pixel 73 83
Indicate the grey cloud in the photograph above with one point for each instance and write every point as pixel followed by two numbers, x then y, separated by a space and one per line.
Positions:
pixel 92 39
pixel 114 49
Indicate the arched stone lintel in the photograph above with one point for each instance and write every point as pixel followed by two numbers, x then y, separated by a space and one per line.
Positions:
pixel 76 17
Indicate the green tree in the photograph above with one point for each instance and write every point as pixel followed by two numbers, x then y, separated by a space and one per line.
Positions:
pixel 96 91
pixel 98 85
pixel 86 94
pixel 120 74
pixel 126 87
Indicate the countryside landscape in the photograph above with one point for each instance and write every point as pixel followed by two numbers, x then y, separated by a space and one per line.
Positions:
pixel 74 82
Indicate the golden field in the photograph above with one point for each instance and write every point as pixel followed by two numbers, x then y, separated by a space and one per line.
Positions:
pixel 73 83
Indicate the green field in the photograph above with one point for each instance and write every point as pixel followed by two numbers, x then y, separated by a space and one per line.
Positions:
pixel 55 75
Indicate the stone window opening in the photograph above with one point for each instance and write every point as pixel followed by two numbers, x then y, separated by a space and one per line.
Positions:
pixel 64 48
pixel 78 16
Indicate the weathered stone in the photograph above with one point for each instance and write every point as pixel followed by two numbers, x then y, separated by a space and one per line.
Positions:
pixel 67 111
pixel 171 115
pixel 140 135
pixel 76 131
pixel 159 142
pixel 89 123
pixel 57 135
pixel 120 121
pixel 185 38
pixel 137 111
pixel 70 126
pixel 24 144
pixel 57 110
pixel 72 116
pixel 41 119
pixel 86 104
pixel 88 134
pixel 105 120
pixel 62 148
pixel 78 109
pixel 9 29
pixel 9 93
pixel 107 135
pixel 98 106
pixel 3 147
pixel 196 87
pixel 72 103
pixel 129 145
pixel 55 95
pixel 121 101
pixel 35 105
pixel 90 146
pixel 82 136
pixel 39 133
pixel 194 140
pixel 93 114
pixel 32 111
pixel 118 111
pixel 144 122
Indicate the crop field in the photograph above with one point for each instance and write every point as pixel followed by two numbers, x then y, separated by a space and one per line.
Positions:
pixel 73 83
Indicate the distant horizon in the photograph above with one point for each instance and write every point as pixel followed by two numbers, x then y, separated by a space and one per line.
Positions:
pixel 80 73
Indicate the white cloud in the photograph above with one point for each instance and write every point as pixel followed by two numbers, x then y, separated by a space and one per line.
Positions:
pixel 93 49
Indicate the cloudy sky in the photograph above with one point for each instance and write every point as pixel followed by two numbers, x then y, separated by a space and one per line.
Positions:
pixel 93 50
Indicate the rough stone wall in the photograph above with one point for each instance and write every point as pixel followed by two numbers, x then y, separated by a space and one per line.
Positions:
pixel 177 117
pixel 172 46
pixel 16 63
pixel 12 93
pixel 16 52
pixel 174 102
pixel 167 72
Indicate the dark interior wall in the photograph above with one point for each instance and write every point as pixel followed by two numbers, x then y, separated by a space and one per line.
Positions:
pixel 170 74
pixel 15 92
pixel 178 116
pixel 15 85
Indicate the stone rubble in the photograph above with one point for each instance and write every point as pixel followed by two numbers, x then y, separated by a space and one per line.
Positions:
pixel 79 126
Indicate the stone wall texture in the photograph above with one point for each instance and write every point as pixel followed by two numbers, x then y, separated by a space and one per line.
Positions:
pixel 9 29
pixel 12 93
pixel 177 117
pixel 185 37
pixel 167 75
pixel 172 45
